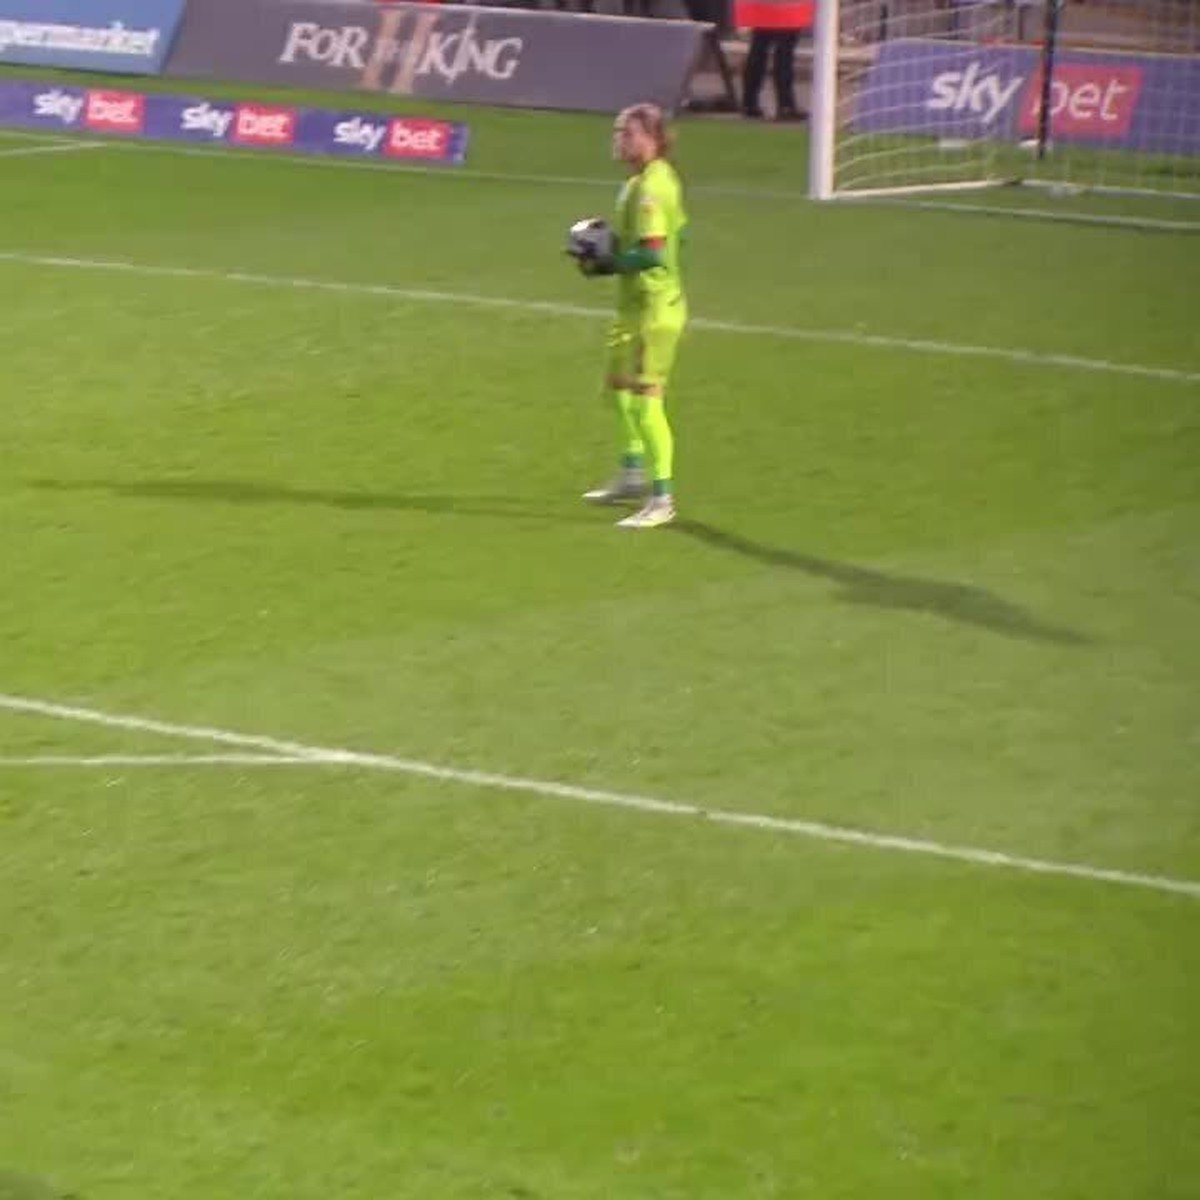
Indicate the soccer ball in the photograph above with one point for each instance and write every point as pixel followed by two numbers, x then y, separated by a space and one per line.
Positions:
pixel 591 238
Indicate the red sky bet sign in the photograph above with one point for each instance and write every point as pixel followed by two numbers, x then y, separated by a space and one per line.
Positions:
pixel 411 138
pixel 114 112
pixel 56 106
pixel 261 125
pixel 1142 102
pixel 1090 101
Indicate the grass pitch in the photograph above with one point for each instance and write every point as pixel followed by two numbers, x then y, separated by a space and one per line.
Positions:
pixel 294 450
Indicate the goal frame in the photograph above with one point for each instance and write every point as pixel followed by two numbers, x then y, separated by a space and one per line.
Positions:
pixel 827 64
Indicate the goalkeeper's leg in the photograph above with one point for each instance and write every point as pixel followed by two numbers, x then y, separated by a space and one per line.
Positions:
pixel 659 509
pixel 630 481
pixel 657 349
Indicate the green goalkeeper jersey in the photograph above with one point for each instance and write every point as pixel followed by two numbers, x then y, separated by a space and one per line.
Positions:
pixel 651 206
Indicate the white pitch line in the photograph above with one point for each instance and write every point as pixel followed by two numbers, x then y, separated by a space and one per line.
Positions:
pixel 157 760
pixel 54 148
pixel 1032 358
pixel 1066 216
pixel 446 171
pixel 818 831
pixel 736 191
pixel 39 135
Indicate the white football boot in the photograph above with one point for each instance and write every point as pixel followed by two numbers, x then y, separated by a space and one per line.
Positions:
pixel 658 510
pixel 628 484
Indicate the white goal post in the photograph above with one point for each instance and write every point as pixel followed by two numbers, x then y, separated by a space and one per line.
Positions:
pixel 1076 95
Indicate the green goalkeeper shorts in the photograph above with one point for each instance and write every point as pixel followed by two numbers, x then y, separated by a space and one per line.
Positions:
pixel 644 353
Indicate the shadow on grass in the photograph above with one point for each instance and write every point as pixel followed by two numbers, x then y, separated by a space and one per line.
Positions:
pixel 236 491
pixel 958 602
pixel 15 1186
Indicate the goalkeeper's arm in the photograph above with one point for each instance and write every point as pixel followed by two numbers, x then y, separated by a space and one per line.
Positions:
pixel 646 255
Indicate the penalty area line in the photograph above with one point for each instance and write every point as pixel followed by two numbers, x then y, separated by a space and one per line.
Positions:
pixel 813 830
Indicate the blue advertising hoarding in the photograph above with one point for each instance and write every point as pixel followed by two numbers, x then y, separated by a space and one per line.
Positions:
pixel 63 108
pixel 1144 102
pixel 130 37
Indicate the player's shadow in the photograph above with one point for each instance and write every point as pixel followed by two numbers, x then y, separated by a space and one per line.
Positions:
pixel 236 491
pixel 961 602
pixel 15 1186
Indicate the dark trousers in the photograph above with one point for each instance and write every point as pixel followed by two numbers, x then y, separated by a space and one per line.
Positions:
pixel 780 46
pixel 716 14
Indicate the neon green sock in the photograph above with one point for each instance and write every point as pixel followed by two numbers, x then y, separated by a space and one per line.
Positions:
pixel 657 431
pixel 633 447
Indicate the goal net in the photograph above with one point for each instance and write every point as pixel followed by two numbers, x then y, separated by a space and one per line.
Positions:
pixel 1074 95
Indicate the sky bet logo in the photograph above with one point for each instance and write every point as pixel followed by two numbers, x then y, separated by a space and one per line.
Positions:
pixel 115 112
pixel 58 105
pixel 242 124
pixel 207 120
pixel 417 139
pixel 357 133
pixel 263 125
pixel 971 93
pixel 1087 99
pixel 400 137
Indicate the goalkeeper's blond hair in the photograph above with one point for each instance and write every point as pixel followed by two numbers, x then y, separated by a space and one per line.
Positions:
pixel 653 123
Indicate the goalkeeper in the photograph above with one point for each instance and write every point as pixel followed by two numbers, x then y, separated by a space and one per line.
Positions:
pixel 651 314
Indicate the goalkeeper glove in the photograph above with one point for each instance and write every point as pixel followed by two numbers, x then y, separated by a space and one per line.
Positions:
pixel 592 263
